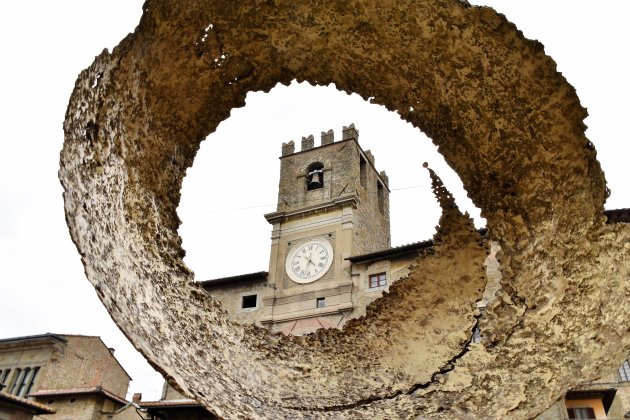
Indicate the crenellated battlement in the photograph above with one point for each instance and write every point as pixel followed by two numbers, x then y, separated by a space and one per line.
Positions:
pixel 327 137
pixel 350 132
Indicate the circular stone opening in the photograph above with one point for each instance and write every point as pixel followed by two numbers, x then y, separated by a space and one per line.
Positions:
pixel 517 141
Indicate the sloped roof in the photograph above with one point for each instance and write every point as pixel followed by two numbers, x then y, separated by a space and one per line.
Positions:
pixel 392 252
pixel 259 276
pixel 398 251
pixel 28 405
pixel 78 391
pixel 170 403
pixel 36 337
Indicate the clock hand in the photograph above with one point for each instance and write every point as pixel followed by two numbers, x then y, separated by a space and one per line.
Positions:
pixel 310 258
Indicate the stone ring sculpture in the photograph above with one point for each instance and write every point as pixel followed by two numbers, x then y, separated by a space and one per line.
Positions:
pixel 507 122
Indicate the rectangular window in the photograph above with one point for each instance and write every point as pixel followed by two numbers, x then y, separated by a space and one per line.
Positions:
pixel 23 380
pixel 624 372
pixel 26 379
pixel 321 302
pixel 378 280
pixel 4 374
pixel 249 301
pixel 581 413
pixel 29 388
pixel 17 380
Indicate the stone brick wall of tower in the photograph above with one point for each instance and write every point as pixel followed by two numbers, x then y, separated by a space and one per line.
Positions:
pixel 341 162
pixel 338 182
pixel 85 362
pixel 371 221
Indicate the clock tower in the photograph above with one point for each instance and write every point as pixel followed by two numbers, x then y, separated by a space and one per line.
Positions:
pixel 332 204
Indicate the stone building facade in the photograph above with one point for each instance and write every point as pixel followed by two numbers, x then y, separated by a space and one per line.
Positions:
pixel 66 376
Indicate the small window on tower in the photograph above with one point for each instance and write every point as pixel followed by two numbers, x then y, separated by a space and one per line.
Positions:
pixel 321 302
pixel 249 301
pixel 315 176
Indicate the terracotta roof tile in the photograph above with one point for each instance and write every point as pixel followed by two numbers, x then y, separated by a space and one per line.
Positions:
pixel 33 406
pixel 170 403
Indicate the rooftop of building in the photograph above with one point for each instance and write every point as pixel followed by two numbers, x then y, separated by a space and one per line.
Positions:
pixel 26 405
pixel 79 391
pixel 37 337
pixel 259 276
pixel 398 251
pixel 184 402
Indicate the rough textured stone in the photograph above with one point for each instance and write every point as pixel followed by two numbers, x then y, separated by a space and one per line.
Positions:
pixel 500 113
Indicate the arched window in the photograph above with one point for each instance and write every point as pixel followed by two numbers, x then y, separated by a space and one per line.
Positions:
pixel 315 176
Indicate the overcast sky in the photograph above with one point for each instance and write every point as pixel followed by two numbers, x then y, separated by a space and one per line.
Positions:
pixel 45 44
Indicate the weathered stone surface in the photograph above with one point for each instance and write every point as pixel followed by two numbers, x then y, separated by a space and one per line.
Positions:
pixel 504 119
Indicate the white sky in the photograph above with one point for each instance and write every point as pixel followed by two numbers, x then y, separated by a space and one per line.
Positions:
pixel 43 47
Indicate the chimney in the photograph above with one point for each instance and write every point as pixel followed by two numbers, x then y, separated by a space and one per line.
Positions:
pixel 137 397
pixel 112 350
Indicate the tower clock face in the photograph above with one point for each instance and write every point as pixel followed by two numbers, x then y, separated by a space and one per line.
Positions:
pixel 309 261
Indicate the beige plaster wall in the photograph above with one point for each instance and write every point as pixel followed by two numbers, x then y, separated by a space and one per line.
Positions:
pixel 129 413
pixel 170 393
pixel 231 299
pixel 557 411
pixel 75 407
pixel 621 403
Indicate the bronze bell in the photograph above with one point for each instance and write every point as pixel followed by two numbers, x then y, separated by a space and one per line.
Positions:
pixel 315 179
